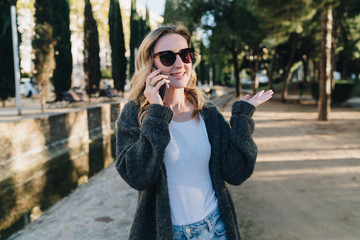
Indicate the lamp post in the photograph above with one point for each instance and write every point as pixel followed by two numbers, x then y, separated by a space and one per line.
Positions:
pixel 15 45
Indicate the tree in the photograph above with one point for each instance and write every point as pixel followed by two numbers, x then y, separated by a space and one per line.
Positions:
pixel 43 11
pixel 44 64
pixel 170 16
pixel 286 22
pixel 232 32
pixel 346 37
pixel 61 32
pixel 325 64
pixel 7 78
pixel 91 51
pixel 147 21
pixel 117 44
pixel 134 35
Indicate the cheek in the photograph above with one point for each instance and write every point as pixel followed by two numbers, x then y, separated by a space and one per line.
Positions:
pixel 188 68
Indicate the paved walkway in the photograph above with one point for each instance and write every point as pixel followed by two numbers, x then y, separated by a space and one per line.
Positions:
pixel 103 208
pixel 305 186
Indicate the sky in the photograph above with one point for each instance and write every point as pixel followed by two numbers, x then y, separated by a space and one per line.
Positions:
pixel 154 5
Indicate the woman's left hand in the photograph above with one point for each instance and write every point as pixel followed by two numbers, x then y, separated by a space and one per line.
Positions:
pixel 258 98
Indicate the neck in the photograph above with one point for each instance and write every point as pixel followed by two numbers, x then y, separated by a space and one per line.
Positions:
pixel 176 100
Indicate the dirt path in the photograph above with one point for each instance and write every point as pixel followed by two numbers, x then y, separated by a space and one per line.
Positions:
pixel 306 184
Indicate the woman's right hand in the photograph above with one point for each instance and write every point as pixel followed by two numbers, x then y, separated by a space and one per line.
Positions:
pixel 153 83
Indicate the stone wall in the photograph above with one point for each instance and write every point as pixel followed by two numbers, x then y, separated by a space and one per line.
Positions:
pixel 36 154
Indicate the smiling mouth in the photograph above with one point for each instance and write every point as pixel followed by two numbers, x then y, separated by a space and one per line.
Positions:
pixel 178 74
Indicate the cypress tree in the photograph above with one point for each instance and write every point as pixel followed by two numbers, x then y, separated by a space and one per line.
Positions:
pixel 43 11
pixel 63 58
pixel 134 35
pixel 117 43
pixel 91 51
pixel 147 21
pixel 44 64
pixel 141 28
pixel 7 78
pixel 170 12
pixel 43 46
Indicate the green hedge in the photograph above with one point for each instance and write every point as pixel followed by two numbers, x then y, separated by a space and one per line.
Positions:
pixel 340 94
pixel 106 73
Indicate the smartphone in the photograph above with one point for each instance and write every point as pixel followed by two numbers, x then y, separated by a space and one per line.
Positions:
pixel 163 89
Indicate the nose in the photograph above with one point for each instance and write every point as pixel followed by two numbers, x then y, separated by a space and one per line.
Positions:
pixel 178 62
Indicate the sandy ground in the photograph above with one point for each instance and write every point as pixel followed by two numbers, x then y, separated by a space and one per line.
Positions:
pixel 306 183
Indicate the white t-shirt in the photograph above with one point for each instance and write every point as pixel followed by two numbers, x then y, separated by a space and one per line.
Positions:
pixel 186 159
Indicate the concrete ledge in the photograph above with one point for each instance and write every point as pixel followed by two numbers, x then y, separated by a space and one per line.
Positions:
pixel 31 148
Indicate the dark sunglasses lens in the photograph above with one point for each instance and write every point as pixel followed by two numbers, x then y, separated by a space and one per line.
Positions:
pixel 167 58
pixel 187 55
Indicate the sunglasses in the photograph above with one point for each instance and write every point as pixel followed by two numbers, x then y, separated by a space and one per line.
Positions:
pixel 168 58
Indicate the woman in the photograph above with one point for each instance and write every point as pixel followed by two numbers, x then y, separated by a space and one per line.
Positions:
pixel 179 151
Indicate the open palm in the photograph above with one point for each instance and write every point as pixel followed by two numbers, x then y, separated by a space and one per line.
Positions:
pixel 258 98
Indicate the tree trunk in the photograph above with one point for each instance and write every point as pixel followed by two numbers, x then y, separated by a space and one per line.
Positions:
pixel 305 62
pixel 345 54
pixel 325 65
pixel 42 98
pixel 237 74
pixel 335 40
pixel 316 72
pixel 285 77
pixel 256 79
pixel 270 72
pixel 5 103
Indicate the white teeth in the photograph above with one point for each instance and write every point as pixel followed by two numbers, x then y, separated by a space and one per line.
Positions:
pixel 178 74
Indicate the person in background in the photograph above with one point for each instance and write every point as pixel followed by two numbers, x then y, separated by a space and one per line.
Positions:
pixel 178 151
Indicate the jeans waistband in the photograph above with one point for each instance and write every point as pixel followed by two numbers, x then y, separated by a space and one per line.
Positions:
pixel 209 220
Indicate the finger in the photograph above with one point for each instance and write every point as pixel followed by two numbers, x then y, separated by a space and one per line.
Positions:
pixel 267 93
pixel 160 83
pixel 259 94
pixel 148 81
pixel 265 99
pixel 151 76
pixel 154 73
pixel 157 79
pixel 246 97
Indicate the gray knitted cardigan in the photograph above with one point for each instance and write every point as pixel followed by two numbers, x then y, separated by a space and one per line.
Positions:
pixel 139 161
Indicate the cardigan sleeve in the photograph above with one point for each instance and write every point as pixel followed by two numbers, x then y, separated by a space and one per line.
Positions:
pixel 140 150
pixel 241 151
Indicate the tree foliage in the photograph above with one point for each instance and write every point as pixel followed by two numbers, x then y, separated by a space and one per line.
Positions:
pixel 44 64
pixel 7 82
pixel 91 51
pixel 139 28
pixel 61 32
pixel 134 35
pixel 117 43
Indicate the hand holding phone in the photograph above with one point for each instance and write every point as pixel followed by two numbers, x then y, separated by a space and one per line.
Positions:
pixel 163 89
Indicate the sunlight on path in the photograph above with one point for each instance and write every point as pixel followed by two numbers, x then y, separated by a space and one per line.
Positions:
pixel 306 182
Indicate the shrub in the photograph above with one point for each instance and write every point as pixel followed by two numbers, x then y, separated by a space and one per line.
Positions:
pixel 106 74
pixel 341 92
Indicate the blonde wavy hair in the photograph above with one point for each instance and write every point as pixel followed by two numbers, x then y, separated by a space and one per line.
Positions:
pixel 144 65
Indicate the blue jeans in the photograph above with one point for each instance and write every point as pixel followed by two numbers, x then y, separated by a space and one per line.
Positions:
pixel 211 227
